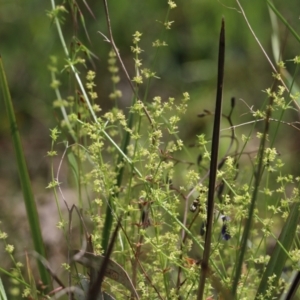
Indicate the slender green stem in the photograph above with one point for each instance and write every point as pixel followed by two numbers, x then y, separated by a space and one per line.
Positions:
pixel 284 21
pixel 257 179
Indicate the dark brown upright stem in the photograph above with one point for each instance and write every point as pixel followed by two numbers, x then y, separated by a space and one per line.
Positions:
pixel 213 164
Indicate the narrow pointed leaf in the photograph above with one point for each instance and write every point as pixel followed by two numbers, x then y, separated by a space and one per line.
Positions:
pixel 213 163
pixel 30 205
pixel 279 255
pixel 2 291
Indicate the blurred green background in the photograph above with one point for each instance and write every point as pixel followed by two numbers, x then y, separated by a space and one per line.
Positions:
pixel 189 63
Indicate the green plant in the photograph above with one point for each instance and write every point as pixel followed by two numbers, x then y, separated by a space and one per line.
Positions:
pixel 25 181
pixel 162 223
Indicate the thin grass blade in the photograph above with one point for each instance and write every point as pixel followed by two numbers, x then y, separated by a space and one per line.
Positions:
pixel 279 255
pixel 120 171
pixel 30 205
pixel 257 179
pixel 2 291
pixel 283 20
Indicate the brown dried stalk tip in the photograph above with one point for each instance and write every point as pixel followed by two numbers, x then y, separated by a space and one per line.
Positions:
pixel 201 115
pixel 232 102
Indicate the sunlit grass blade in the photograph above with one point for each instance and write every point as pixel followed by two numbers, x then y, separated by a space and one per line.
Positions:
pixel 30 205
pixel 279 254
pixel 277 53
pixel 283 20
pixel 2 291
